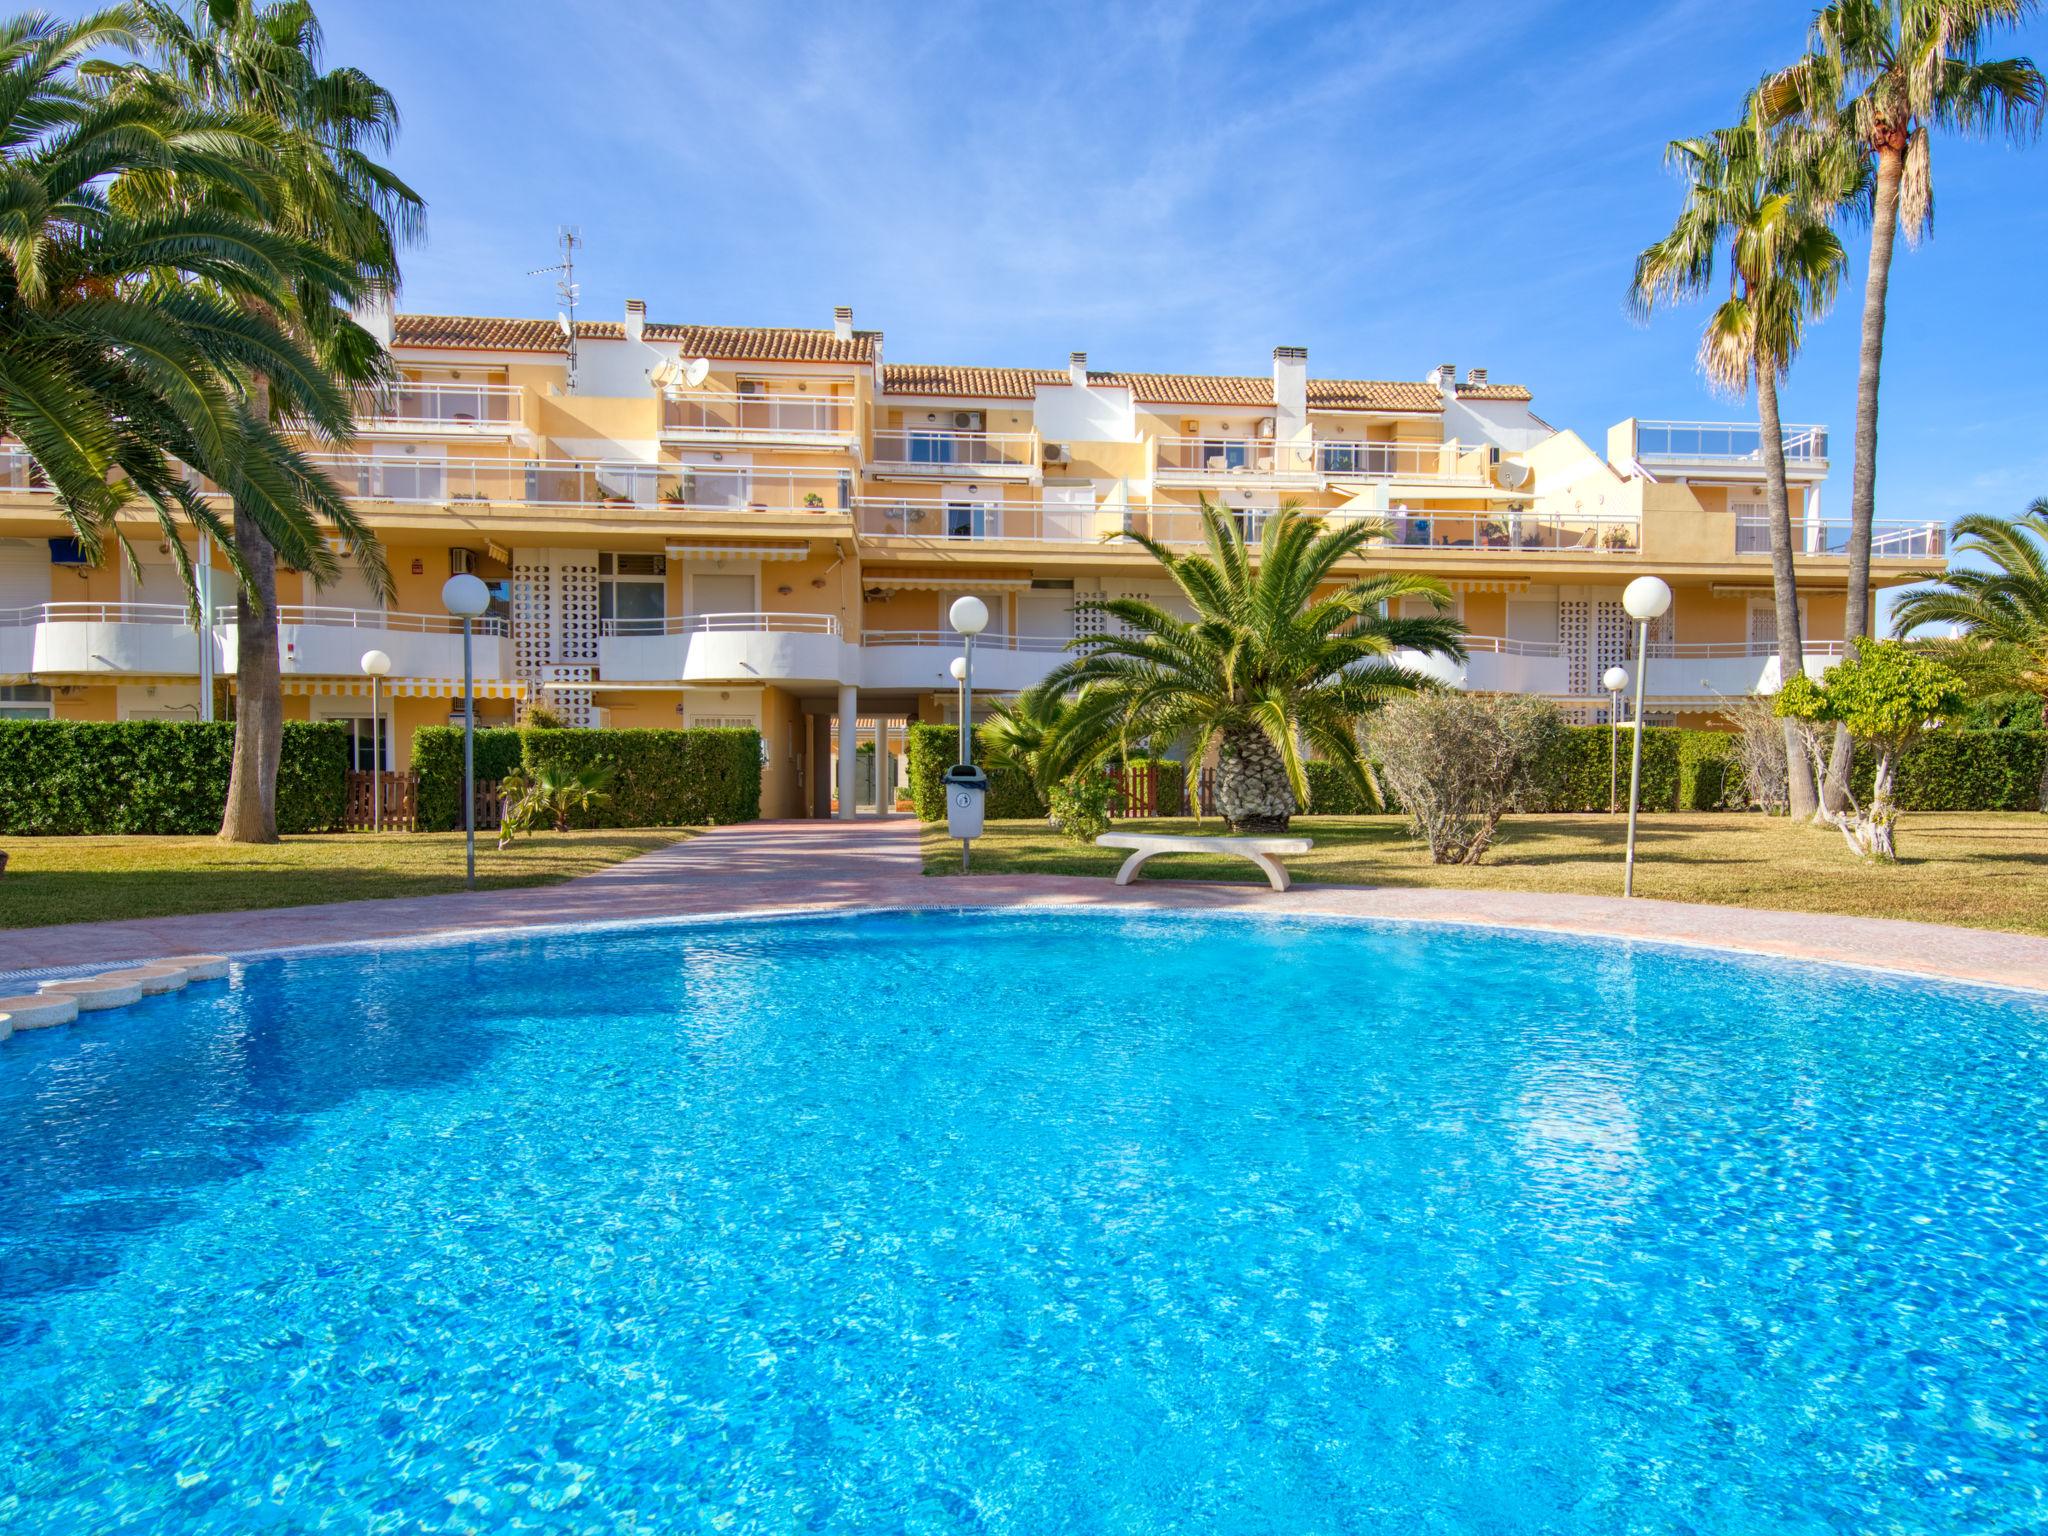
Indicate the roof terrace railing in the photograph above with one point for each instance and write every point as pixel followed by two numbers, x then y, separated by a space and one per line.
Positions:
pixel 1890 539
pixel 934 448
pixel 440 405
pixel 774 413
pixel 1380 460
pixel 1725 441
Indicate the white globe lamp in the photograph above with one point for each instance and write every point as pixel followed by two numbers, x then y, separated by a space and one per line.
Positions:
pixel 466 597
pixel 969 616
pixel 1646 598
pixel 1615 679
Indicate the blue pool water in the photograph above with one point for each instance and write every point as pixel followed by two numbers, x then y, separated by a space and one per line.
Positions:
pixel 1028 1224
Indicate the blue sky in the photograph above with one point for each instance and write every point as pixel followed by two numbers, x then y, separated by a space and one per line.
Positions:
pixel 1184 186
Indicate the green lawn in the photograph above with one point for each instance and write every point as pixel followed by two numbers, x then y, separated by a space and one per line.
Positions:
pixel 98 879
pixel 1983 870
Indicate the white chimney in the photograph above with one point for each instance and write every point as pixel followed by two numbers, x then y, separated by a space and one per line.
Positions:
pixel 1290 393
pixel 842 322
pixel 374 315
pixel 1445 377
pixel 636 319
pixel 1077 369
pixel 1476 377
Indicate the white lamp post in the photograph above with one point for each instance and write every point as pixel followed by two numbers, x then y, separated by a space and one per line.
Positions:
pixel 468 599
pixel 377 666
pixel 1644 599
pixel 1615 681
pixel 969 617
pixel 959 671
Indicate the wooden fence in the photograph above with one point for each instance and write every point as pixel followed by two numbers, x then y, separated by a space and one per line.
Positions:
pixel 1137 792
pixel 399 796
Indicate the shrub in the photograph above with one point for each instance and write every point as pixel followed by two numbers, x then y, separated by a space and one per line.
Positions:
pixel 1710 770
pixel 660 778
pixel 1080 806
pixel 162 777
pixel 1331 792
pixel 437 759
pixel 1757 775
pixel 1573 774
pixel 540 716
pixel 932 749
pixel 1459 762
pixel 1951 770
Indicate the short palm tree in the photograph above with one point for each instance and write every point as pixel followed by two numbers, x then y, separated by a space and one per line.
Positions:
pixel 2002 604
pixel 1784 267
pixel 1882 77
pixel 131 321
pixel 1048 733
pixel 550 795
pixel 1270 664
pixel 263 61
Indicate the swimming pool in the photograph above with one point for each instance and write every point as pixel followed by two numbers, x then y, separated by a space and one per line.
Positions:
pixel 1028 1223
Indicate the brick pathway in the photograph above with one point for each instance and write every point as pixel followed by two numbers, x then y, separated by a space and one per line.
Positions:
pixel 767 866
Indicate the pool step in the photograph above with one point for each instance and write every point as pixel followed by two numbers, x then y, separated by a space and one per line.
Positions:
pixel 59 1002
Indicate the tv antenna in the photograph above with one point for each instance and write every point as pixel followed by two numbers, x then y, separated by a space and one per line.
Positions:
pixel 568 237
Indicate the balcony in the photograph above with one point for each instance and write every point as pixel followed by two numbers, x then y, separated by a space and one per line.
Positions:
pixel 116 640
pixel 1890 539
pixel 1703 671
pixel 1710 446
pixel 920 659
pixel 1435 463
pixel 436 409
pixel 619 487
pixel 927 451
pixel 20 473
pixel 773 418
pixel 1495 664
pixel 1232 460
pixel 1046 522
pixel 329 642
pixel 708 648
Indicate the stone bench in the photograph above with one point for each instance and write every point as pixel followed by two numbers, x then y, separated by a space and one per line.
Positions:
pixel 1262 851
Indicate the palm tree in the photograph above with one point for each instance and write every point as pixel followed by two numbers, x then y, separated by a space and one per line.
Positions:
pixel 264 61
pixel 2004 606
pixel 129 321
pixel 1048 733
pixel 1268 665
pixel 1882 77
pixel 1784 267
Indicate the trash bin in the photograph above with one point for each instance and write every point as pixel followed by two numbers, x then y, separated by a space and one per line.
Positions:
pixel 966 796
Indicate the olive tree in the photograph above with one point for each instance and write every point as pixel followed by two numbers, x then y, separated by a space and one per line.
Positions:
pixel 1886 696
pixel 1458 762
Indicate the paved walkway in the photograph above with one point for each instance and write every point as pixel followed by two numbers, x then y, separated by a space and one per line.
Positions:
pixel 775 866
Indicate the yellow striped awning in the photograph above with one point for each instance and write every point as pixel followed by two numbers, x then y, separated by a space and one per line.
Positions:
pixel 403 687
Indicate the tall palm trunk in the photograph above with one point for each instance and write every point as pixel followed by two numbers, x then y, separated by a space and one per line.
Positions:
pixel 1884 229
pixel 1784 585
pixel 1252 793
pixel 251 813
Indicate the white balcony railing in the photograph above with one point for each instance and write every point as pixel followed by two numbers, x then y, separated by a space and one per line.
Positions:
pixel 620 485
pixel 886 638
pixel 1733 442
pixel 1894 539
pixel 725 623
pixel 943 521
pixel 771 414
pixel 929 448
pixel 452 406
pixel 96 613
pixel 19 472
pixel 1233 458
pixel 1363 460
pixel 378 618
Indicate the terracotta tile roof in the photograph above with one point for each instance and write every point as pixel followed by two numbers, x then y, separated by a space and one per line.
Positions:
pixel 767 343
pixel 1493 392
pixel 745 342
pixel 981 383
pixel 1159 388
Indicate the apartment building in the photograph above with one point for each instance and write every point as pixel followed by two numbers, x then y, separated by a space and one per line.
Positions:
pixel 691 525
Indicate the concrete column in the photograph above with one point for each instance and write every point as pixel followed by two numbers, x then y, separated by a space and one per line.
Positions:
pixel 818 772
pixel 884 797
pixel 849 707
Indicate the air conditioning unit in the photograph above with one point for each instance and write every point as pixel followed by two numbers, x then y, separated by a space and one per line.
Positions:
pixel 461 562
pixel 1055 453
pixel 967 421
pixel 1267 426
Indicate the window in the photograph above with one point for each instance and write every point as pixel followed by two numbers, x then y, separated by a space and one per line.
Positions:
pixel 25 701
pixel 632 593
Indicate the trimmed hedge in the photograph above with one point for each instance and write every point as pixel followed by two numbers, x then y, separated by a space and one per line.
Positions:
pixel 159 777
pixel 1950 770
pixel 437 759
pixel 660 778
pixel 932 749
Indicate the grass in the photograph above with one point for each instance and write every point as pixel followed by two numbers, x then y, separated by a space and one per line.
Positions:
pixel 1978 870
pixel 103 879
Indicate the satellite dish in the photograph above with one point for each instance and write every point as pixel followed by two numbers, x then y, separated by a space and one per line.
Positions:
pixel 1511 473
pixel 562 324
pixel 698 371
